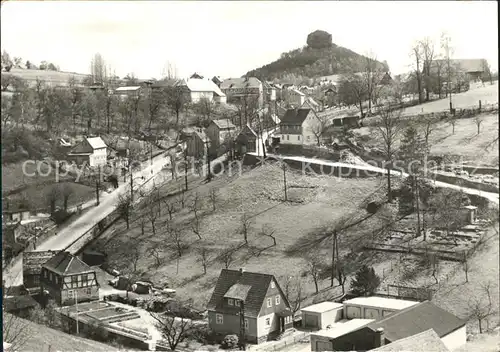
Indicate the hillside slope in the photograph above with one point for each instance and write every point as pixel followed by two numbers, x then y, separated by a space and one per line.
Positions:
pixel 312 62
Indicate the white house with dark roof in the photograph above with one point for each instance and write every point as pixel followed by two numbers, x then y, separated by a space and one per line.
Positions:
pixel 200 88
pixel 92 151
pixel 128 91
pixel 252 301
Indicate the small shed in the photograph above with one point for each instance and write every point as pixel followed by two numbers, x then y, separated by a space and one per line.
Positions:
pixel 322 340
pixel 319 316
pixel 471 212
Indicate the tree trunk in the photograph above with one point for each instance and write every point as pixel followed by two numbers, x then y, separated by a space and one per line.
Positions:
pixel 316 284
pixel 389 193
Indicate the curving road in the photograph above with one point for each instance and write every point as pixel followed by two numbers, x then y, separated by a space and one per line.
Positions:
pixel 493 197
pixel 13 275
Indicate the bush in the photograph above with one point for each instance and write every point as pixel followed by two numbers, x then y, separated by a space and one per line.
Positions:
pixel 230 342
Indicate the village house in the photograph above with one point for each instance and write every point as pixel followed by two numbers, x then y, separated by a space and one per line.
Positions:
pixel 197 144
pixel 246 141
pixel 312 104
pixel 269 92
pixel 239 89
pixel 252 301
pixel 32 267
pixel 217 80
pixel 296 127
pixel 469 70
pixel 220 132
pixel 293 97
pixel 196 75
pixel 375 332
pixel 67 280
pixel 197 89
pixel 128 91
pixel 91 151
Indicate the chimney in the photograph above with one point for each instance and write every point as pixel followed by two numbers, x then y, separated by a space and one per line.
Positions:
pixel 379 337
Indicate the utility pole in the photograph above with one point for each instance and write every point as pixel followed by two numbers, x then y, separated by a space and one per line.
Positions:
pixel 242 326
pixel 334 251
pixel 76 306
pixel 284 180
pixel 98 183
pixel 447 49
pixel 209 176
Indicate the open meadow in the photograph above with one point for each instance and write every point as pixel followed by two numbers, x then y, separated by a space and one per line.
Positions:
pixel 315 202
pixel 478 149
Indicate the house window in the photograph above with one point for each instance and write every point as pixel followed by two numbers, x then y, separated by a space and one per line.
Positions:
pixel 36 279
pixel 70 294
pixel 219 319
pixel 298 137
pixel 277 300
pixel 283 137
pixel 85 280
pixel 246 323
pixel 51 277
pixel 57 280
pixel 88 291
pixel 287 137
pixel 308 138
pixel 273 284
pixel 74 281
pixel 230 302
pixel 268 321
pixel 45 274
pixel 269 302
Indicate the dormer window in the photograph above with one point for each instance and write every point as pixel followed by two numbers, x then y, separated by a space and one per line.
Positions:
pixel 230 301
pixel 273 285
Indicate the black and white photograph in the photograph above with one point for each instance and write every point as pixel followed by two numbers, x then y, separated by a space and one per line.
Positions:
pixel 303 176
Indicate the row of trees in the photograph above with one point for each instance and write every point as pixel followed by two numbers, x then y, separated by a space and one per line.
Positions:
pixel 9 62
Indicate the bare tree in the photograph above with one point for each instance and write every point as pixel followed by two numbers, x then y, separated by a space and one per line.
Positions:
pixel 427 51
pixel 204 256
pixel 371 75
pixel 16 332
pixel 173 330
pixel 213 195
pixel 294 292
pixel 171 206
pixel 314 266
pixel 319 126
pixel 227 256
pixel 478 120
pixel 390 128
pixel 452 120
pixel 124 206
pixel 416 52
pixel 246 223
pixel 175 236
pixel 67 191
pixel 98 69
pixel 481 309
pixel 352 91
pixel 429 125
pixel 156 250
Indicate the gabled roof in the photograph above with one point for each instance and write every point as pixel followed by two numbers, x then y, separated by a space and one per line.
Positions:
pixel 238 291
pixel 33 261
pixel 128 89
pixel 427 341
pixel 64 263
pixel 297 92
pixel 258 283
pixel 295 116
pixel 417 319
pixel 201 135
pixel 251 82
pixel 224 124
pixel 202 85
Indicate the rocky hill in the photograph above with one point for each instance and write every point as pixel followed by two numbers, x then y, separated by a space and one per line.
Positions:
pixel 320 57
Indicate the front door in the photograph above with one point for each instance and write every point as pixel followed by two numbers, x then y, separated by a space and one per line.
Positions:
pixel 282 324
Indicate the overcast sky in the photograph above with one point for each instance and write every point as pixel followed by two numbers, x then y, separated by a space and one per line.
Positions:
pixel 231 38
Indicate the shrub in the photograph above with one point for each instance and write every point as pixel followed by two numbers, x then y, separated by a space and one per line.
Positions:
pixel 365 282
pixel 230 342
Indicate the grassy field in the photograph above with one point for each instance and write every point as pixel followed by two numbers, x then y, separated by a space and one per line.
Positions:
pixel 475 148
pixel 487 94
pixel 54 77
pixel 316 202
